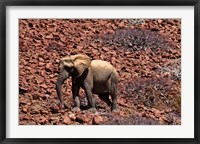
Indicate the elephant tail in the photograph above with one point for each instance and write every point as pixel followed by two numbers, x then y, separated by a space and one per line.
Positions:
pixel 114 77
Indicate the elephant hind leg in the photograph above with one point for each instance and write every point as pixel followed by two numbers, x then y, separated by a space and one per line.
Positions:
pixel 105 98
pixel 113 92
pixel 114 101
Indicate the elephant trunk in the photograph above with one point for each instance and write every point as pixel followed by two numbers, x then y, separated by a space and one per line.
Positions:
pixel 61 78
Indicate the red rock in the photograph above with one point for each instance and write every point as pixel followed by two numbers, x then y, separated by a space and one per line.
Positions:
pixel 41 59
pixel 43 73
pixel 79 47
pixel 24 88
pixel 39 79
pixel 54 108
pixel 102 56
pixel 160 21
pixel 121 25
pixel 57 61
pixel 44 112
pixel 170 21
pixel 44 85
pixel 43 96
pixel 22 73
pixel 173 51
pixel 93 45
pixel 35 109
pixel 33 71
pixel 49 36
pixel 156 112
pixel 98 120
pixel 164 118
pixel 49 90
pixel 67 120
pixel 121 113
pixel 49 67
pixel 112 52
pixel 34 61
pixel 43 120
pixel 27 117
pixel 55 120
pixel 89 119
pixel 105 49
pixel 80 118
pixel 41 64
pixel 121 102
pixel 53 80
pixel 72 116
pixel 23 101
pixel 25 109
pixel 113 61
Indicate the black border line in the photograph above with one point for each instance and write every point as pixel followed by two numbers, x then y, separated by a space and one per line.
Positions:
pixel 4 3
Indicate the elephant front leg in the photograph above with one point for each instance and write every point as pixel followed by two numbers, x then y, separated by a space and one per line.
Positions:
pixel 75 92
pixel 90 97
pixel 91 100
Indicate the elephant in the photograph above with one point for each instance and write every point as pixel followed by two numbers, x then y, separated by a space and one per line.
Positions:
pixel 94 76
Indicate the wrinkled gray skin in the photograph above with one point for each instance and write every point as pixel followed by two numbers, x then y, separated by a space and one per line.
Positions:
pixel 98 77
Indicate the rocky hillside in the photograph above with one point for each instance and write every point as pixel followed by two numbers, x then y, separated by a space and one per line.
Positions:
pixel 145 52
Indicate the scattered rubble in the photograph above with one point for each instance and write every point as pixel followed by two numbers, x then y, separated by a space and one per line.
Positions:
pixel 145 52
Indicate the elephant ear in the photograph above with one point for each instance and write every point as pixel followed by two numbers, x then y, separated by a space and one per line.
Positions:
pixel 65 61
pixel 81 63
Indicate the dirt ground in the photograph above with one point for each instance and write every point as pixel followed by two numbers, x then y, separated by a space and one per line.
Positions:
pixel 145 52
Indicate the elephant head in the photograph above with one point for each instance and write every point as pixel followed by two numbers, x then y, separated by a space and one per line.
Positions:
pixel 73 65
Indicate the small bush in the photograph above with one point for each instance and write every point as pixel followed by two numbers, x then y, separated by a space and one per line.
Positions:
pixel 137 39
pixel 131 120
pixel 161 93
